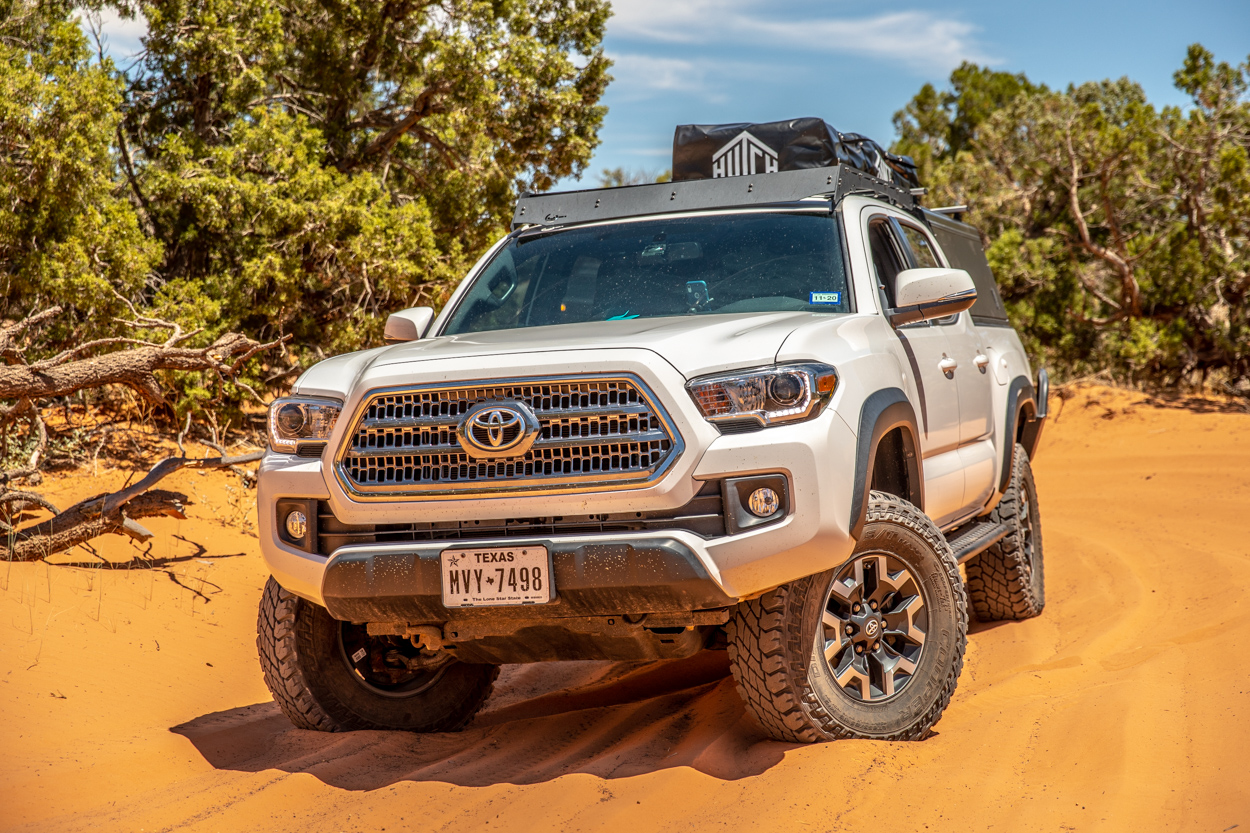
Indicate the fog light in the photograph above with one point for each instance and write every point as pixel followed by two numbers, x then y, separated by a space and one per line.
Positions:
pixel 763 502
pixel 297 524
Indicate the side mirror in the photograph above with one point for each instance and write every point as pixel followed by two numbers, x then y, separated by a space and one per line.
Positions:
pixel 930 293
pixel 408 324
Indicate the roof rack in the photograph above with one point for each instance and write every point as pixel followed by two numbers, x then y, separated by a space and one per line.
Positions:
pixel 572 207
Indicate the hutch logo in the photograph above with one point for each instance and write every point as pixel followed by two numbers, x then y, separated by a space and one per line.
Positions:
pixel 744 156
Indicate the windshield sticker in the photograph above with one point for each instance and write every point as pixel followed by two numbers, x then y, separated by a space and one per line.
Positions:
pixel 826 298
pixel 624 316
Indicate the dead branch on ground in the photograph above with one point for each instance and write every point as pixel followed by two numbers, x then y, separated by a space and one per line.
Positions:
pixel 116 513
pixel 134 363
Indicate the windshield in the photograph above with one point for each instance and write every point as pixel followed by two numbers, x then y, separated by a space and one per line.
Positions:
pixel 734 263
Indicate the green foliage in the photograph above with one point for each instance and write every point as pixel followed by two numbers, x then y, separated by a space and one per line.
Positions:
pixel 938 125
pixel 616 177
pixel 297 168
pixel 1118 231
pixel 313 165
pixel 66 235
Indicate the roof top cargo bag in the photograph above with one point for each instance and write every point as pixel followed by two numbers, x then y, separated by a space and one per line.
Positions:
pixel 710 151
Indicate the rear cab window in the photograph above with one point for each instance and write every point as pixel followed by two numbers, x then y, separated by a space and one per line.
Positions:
pixel 962 246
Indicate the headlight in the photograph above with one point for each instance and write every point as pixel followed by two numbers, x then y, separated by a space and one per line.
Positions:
pixel 297 418
pixel 786 393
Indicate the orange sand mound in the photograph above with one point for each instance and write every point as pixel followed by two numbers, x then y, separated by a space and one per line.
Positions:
pixel 132 699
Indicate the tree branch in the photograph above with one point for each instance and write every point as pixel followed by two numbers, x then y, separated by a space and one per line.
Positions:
pixel 9 334
pixel 107 513
pixel 133 368
pixel 1130 291
pixel 427 104
pixel 75 526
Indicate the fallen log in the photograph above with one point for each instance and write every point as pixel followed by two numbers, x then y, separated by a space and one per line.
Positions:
pixel 117 360
pixel 117 512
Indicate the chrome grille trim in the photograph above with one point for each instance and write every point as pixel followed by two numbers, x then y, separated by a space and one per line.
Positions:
pixel 598 433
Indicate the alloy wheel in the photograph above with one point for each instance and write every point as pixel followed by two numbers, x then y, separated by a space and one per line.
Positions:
pixel 873 627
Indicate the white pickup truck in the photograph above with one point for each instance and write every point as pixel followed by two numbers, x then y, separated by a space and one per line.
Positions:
pixel 768 413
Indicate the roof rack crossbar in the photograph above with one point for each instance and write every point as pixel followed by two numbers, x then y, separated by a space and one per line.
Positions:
pixel 573 207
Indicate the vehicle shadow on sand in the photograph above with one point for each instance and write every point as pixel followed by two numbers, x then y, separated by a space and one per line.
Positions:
pixel 613 720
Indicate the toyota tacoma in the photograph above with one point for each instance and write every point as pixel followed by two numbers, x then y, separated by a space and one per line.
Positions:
pixel 770 410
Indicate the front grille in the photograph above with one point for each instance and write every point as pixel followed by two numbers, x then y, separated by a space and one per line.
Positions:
pixel 593 433
pixel 704 515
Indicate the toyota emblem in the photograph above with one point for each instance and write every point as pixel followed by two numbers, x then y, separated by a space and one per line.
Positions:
pixel 497 429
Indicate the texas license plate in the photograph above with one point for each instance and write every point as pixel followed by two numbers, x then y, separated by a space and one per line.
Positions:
pixel 506 576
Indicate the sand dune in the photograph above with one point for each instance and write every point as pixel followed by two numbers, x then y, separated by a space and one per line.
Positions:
pixel 132 699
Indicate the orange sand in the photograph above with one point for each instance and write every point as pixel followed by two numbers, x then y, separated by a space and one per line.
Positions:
pixel 132 699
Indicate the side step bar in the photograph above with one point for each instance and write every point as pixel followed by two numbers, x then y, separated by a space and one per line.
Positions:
pixel 975 538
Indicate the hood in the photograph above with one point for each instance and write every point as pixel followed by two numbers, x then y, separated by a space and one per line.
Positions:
pixel 695 345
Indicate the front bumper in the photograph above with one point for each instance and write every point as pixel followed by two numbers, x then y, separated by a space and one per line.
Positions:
pixel 817 458
pixel 403 583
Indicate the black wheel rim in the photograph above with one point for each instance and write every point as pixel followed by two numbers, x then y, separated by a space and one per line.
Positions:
pixel 872 629
pixel 389 666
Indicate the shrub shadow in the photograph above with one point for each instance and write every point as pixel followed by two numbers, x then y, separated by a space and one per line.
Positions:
pixel 1198 404
pixel 613 720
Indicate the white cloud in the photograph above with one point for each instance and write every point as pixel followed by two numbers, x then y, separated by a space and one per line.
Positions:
pixel 681 21
pixel 916 38
pixel 920 39
pixel 642 74
pixel 639 76
pixel 121 36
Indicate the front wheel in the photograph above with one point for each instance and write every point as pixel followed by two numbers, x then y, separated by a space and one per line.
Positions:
pixel 871 649
pixel 333 676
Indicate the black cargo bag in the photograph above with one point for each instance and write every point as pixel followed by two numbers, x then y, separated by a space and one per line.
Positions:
pixel 710 151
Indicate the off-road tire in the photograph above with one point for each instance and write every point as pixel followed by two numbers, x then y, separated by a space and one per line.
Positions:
pixel 1006 581
pixel 311 682
pixel 786 683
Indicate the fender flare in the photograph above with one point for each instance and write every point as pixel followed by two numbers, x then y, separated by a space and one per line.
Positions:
pixel 1031 434
pixel 882 412
pixel 1019 396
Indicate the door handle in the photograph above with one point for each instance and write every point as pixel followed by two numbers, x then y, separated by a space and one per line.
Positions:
pixel 982 361
pixel 948 365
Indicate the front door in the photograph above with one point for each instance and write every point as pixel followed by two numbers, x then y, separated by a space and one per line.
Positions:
pixel 927 352
pixel 969 366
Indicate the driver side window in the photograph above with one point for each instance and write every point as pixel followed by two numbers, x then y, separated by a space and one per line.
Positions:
pixel 925 257
pixel 887 260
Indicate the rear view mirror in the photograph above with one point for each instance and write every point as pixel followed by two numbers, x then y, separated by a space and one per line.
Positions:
pixel 922 294
pixel 408 324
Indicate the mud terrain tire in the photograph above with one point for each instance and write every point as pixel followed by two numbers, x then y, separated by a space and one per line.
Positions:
pixel 1006 581
pixel 779 643
pixel 312 681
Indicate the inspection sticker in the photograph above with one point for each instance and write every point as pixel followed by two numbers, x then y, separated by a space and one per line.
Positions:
pixel 826 298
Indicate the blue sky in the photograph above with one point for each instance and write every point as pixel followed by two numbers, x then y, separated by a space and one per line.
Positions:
pixel 855 64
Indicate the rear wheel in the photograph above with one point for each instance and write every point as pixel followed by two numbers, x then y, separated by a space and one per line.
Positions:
pixel 1006 581
pixel 333 676
pixel 870 649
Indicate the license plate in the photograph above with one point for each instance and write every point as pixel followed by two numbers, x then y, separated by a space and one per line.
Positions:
pixel 505 576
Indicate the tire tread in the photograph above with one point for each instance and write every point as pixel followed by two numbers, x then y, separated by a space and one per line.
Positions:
pixel 998 579
pixel 769 661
